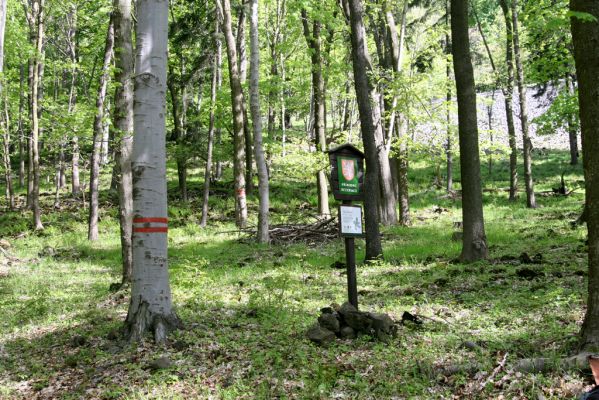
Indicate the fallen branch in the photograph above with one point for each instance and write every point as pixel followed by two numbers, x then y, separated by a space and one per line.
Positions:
pixel 499 367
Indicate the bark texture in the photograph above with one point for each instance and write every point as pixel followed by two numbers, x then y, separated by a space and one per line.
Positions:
pixel 4 119
pixel 150 308
pixel 585 36
pixel 361 67
pixel 474 239
pixel 94 176
pixel 123 124
pixel 527 143
pixel 237 101
pixel 216 71
pixel 313 38
pixel 243 63
pixel 263 226
pixel 38 15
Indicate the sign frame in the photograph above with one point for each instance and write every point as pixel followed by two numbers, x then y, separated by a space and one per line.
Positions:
pixel 336 157
pixel 361 217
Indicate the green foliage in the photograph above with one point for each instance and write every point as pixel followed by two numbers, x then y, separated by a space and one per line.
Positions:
pixel 562 114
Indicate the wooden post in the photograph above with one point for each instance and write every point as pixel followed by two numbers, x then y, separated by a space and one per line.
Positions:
pixel 350 262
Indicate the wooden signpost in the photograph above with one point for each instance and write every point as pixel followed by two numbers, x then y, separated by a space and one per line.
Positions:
pixel 347 181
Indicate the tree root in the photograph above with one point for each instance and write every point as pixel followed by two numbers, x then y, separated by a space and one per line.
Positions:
pixel 142 320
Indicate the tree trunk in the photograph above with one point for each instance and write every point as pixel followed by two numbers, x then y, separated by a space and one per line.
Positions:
pixel 71 37
pixel 216 68
pixel 448 143
pixel 572 131
pixel 59 176
pixel 4 119
pixel 94 176
pixel 474 239
pixel 178 136
pixel 4 125
pixel 318 87
pixel 247 132
pixel 361 67
pixel 237 101
pixel 585 36
pixel 22 140
pixel 123 124
pixel 263 229
pixel 528 181
pixel 38 11
pixel 151 304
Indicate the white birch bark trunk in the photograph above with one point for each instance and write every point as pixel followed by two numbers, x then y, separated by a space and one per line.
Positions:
pixel 151 306
pixel 263 234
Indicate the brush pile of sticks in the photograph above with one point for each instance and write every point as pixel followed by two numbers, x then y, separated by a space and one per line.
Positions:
pixel 318 232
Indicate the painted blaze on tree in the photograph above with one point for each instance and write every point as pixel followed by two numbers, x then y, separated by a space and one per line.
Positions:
pixel 347 173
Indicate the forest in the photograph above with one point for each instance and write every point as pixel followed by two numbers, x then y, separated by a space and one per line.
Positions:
pixel 299 199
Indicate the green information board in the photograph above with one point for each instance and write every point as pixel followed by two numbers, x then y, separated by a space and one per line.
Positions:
pixel 347 168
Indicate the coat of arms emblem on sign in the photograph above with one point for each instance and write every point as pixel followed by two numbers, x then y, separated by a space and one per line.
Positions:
pixel 348 170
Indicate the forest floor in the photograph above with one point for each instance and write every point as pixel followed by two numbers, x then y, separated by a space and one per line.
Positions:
pixel 246 308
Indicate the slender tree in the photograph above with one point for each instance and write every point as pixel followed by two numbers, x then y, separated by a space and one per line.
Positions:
pixel 572 131
pixel 94 176
pixel 4 118
pixel 123 125
pixel 237 101
pixel 313 38
pixel 263 229
pixel 150 308
pixel 474 239
pixel 22 146
pixel 247 132
pixel 38 16
pixel 216 71
pixel 508 94
pixel 361 66
pixel 449 140
pixel 585 36
pixel 527 143
pixel 72 46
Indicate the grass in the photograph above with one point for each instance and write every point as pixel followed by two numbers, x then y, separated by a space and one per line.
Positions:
pixel 246 307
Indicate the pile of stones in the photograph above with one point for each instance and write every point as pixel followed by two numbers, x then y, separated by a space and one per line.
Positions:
pixel 346 322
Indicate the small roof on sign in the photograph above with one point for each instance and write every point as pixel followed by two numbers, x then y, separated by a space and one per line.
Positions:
pixel 348 147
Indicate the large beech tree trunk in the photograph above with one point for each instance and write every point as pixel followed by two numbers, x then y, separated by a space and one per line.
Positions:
pixel 361 67
pixel 263 233
pixel 585 36
pixel 474 239
pixel 123 124
pixel 150 308
pixel 313 38
pixel 216 68
pixel 237 101
pixel 527 143
pixel 94 176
